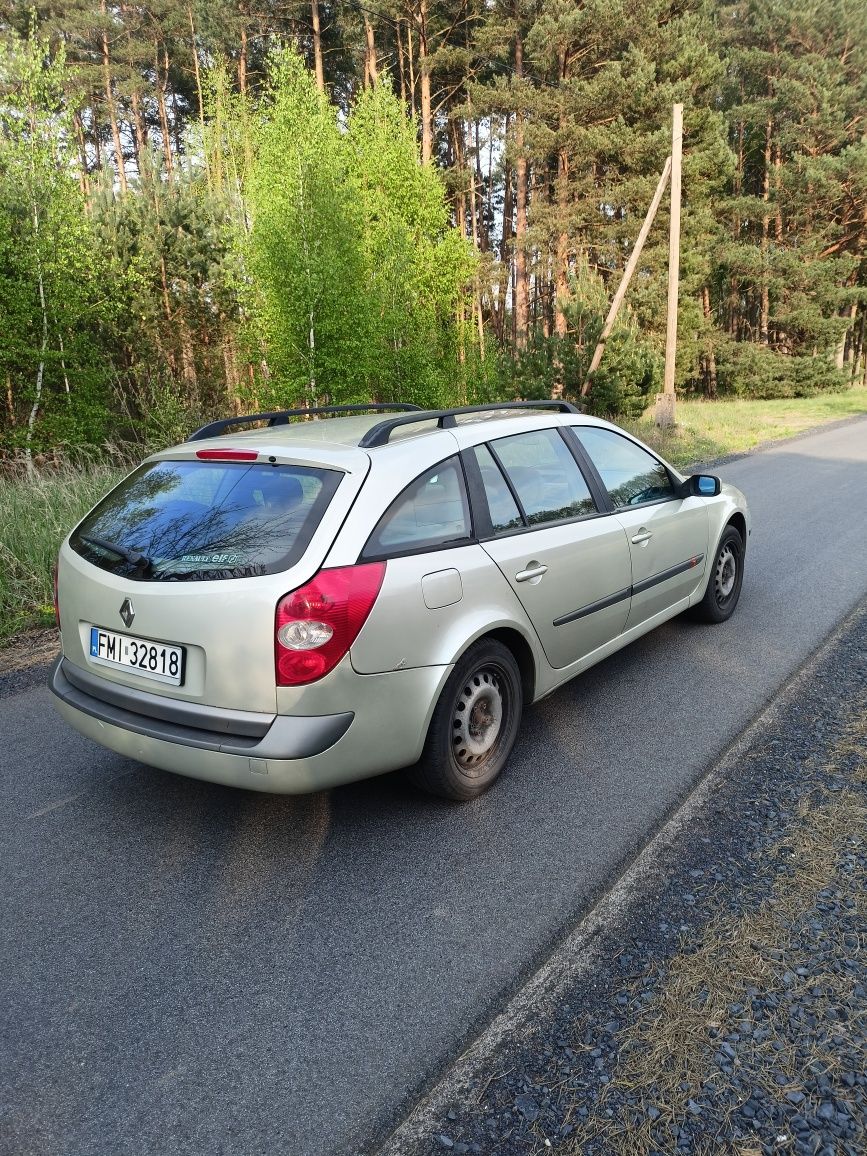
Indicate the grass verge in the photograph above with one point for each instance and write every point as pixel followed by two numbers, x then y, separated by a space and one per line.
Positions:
pixel 35 515
pixel 711 429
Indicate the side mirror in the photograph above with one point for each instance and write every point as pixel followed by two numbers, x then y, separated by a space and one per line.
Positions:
pixel 701 486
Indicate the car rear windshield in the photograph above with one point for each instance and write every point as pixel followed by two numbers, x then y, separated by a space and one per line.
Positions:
pixel 206 520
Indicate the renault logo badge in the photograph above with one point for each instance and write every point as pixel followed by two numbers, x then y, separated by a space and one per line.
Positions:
pixel 127 613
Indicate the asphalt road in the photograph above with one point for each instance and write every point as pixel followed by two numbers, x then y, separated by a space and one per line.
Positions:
pixel 190 969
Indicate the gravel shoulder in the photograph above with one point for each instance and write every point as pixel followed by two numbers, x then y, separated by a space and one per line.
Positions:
pixel 725 1010
pixel 26 662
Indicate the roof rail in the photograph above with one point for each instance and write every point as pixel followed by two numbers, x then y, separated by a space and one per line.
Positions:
pixel 282 416
pixel 379 434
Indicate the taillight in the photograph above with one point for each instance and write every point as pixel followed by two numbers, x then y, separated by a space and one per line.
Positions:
pixel 56 604
pixel 317 624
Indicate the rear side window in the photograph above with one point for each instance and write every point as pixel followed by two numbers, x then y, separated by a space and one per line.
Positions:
pixel 206 520
pixel 630 474
pixel 432 511
pixel 549 485
pixel 503 509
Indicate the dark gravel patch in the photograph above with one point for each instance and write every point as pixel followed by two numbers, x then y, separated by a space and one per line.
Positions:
pixel 26 661
pixel 783 1067
pixel 17 681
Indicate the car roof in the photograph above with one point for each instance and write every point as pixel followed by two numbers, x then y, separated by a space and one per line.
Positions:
pixel 334 442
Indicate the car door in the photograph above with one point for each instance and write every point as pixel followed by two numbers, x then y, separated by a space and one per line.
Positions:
pixel 567 562
pixel 667 534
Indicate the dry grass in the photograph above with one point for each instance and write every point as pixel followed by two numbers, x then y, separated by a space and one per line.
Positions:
pixel 666 1056
pixel 35 515
pixel 707 430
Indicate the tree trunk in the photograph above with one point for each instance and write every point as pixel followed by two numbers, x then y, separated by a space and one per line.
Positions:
pixel 710 375
pixel 505 247
pixel 477 294
pixel 764 305
pixel 40 372
pixel 242 59
pixel 84 179
pixel 458 151
pixel 139 127
pixel 844 349
pixel 522 285
pixel 317 46
pixel 733 318
pixel 371 73
pixel 195 51
pixel 478 187
pixel 176 119
pixel 161 83
pixel 400 65
pixel 561 259
pixel 411 61
pixel 561 270
pixel 188 361
pixel 426 107
pixel 109 99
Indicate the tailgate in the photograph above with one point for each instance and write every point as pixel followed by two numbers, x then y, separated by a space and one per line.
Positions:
pixel 221 614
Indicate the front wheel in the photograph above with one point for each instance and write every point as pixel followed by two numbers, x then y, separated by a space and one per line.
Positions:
pixel 726 577
pixel 474 726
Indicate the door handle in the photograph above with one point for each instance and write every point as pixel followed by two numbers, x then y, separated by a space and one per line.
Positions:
pixel 534 570
pixel 641 537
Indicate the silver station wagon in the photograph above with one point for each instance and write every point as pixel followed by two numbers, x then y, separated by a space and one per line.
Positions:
pixel 309 602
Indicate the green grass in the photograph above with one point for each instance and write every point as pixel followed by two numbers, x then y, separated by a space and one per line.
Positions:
pixel 35 516
pixel 711 429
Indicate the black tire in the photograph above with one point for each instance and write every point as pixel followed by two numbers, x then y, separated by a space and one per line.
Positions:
pixel 725 580
pixel 461 759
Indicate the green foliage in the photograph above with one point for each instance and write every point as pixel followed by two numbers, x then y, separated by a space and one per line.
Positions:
pixel 535 372
pixel 355 273
pixel 417 267
pixel 628 378
pixel 169 257
pixel 55 298
pixel 754 371
pixel 305 257
pixel 189 226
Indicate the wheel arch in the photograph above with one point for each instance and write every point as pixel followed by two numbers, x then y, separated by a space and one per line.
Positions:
pixel 515 642
pixel 740 524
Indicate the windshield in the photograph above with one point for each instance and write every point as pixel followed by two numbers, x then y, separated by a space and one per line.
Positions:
pixel 206 520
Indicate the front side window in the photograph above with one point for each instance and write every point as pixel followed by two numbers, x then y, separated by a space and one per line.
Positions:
pixel 630 474
pixel 192 520
pixel 549 485
pixel 432 511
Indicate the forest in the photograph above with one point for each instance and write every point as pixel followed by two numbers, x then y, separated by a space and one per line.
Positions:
pixel 211 208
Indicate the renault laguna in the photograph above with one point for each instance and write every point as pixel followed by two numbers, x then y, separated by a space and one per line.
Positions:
pixel 327 595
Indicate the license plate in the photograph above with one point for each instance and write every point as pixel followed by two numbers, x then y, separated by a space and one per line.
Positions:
pixel 154 660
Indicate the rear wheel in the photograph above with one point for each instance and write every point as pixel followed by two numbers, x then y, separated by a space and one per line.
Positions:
pixel 724 583
pixel 474 725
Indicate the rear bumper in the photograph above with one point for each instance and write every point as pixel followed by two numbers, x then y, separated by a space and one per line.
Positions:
pixel 285 754
pixel 257 736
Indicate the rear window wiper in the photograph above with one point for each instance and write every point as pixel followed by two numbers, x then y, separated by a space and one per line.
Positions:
pixel 134 557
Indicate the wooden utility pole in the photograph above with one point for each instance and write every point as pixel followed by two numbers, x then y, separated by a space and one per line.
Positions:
pixel 665 402
pixel 631 266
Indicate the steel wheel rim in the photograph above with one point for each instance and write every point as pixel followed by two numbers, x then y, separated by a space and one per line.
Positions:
pixel 477 719
pixel 725 574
